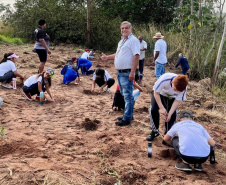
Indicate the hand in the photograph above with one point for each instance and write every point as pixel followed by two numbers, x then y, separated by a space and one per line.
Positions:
pixel 92 90
pixel 131 76
pixel 141 90
pixel 163 111
pixel 48 51
pixel 104 57
pixel 51 99
pixel 168 118
pixel 100 90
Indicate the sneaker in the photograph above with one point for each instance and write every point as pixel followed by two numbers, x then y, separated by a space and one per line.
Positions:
pixel 120 118
pixel 28 96
pixel 183 167
pixel 38 98
pixel 8 86
pixel 152 136
pixel 122 123
pixel 198 167
pixel 108 90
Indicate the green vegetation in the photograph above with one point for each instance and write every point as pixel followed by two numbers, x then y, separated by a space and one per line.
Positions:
pixel 10 40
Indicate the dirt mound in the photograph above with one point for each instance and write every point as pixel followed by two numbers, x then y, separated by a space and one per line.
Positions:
pixel 90 124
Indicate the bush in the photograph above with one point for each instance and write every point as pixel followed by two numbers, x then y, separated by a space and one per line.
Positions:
pixel 10 40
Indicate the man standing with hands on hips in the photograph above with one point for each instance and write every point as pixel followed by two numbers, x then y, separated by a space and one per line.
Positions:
pixel 126 60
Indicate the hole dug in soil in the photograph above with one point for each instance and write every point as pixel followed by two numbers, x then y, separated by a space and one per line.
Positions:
pixel 89 124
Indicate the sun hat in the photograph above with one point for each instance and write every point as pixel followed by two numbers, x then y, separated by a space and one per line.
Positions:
pixel 51 72
pixel 13 56
pixel 73 59
pixel 186 114
pixel 158 35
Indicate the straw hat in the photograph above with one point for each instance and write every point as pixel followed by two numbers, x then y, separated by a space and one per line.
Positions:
pixel 158 35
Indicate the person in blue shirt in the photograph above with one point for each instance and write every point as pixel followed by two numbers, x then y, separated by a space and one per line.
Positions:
pixel 84 64
pixel 183 61
pixel 70 73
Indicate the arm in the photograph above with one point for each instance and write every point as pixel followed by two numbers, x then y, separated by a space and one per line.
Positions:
pixel 178 63
pixel 40 86
pixel 134 67
pixel 107 57
pixel 93 86
pixel 176 103
pixel 211 142
pixel 138 87
pixel 156 55
pixel 167 139
pixel 162 109
pixel 103 86
pixel 44 45
pixel 18 74
pixel 48 91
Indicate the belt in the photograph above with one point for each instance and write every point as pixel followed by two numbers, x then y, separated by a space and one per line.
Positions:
pixel 124 70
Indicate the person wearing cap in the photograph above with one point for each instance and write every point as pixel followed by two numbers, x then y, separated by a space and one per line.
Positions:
pixel 103 79
pixel 126 60
pixel 70 72
pixel 8 70
pixel 183 61
pixel 38 83
pixel 85 55
pixel 143 48
pixel 160 55
pixel 84 64
pixel 191 142
pixel 42 44
pixel 168 92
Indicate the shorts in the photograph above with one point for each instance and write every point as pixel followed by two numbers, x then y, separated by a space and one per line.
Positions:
pixel 42 54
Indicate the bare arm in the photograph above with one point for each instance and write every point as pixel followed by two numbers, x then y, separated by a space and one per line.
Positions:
pixel 167 139
pixel 103 86
pixel 138 87
pixel 175 105
pixel 211 142
pixel 18 74
pixel 134 67
pixel 107 57
pixel 156 55
pixel 93 86
pixel 48 91
pixel 162 109
pixel 40 86
pixel 44 45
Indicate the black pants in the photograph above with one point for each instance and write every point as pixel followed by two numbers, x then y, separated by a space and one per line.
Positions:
pixel 154 113
pixel 188 159
pixel 141 66
pixel 100 82
pixel 33 89
pixel 118 101
pixel 7 77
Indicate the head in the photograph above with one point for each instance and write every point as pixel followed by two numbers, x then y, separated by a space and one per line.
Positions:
pixel 186 115
pixel 126 29
pixel 9 56
pixel 180 55
pixel 73 59
pixel 42 23
pixel 70 62
pixel 100 73
pixel 158 36
pixel 180 83
pixel 87 50
pixel 140 38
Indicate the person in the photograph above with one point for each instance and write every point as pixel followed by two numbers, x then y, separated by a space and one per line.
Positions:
pixel 91 54
pixel 84 64
pixel 119 103
pixel 126 61
pixel 42 44
pixel 183 61
pixel 38 83
pixel 191 142
pixel 169 90
pixel 143 48
pixel 85 55
pixel 70 73
pixel 102 78
pixel 8 70
pixel 160 55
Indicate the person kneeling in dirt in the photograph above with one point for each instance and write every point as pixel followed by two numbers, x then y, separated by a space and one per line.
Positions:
pixel 84 64
pixel 38 83
pixel 191 142
pixel 102 78
pixel 70 73
pixel 169 91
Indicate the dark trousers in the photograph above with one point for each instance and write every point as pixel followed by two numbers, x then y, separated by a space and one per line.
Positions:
pixel 154 113
pixel 184 70
pixel 141 66
pixel 7 77
pixel 33 89
pixel 100 82
pixel 188 159
pixel 118 101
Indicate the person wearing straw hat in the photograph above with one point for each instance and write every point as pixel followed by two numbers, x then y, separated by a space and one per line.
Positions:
pixel 160 55
pixel 8 70
pixel 191 142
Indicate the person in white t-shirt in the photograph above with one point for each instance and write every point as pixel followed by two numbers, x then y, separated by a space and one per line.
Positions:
pixel 160 55
pixel 8 70
pixel 36 84
pixel 85 55
pixel 102 78
pixel 191 142
pixel 143 48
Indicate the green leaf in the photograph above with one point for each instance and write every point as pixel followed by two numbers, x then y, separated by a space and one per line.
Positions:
pixel 190 26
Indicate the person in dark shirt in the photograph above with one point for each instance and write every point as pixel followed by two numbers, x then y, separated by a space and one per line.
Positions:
pixel 42 44
pixel 183 61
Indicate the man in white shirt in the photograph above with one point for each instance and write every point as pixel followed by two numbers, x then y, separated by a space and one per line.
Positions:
pixel 191 142
pixel 143 48
pixel 160 55
pixel 85 55
pixel 126 61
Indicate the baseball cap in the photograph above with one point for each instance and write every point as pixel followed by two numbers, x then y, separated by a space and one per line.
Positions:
pixel 73 59
pixel 87 49
pixel 186 114
pixel 51 72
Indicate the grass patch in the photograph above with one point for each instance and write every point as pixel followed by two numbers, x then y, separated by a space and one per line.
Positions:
pixel 11 40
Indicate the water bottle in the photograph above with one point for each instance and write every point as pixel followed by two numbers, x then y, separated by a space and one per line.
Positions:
pixel 41 98
pixel 212 156
pixel 149 149
pixel 14 83
pixel 136 94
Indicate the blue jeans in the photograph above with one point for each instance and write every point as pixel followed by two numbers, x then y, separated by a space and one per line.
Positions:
pixel 159 69
pixel 126 89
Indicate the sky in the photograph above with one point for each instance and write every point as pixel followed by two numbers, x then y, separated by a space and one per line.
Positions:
pixel 13 1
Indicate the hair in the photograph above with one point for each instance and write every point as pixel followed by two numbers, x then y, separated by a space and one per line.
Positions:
pixel 126 22
pixel 48 79
pixel 100 72
pixel 181 55
pixel 180 82
pixel 6 55
pixel 70 62
pixel 41 22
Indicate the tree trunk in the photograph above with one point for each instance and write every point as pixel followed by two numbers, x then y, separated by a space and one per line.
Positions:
pixel 88 40
pixel 179 3
pixel 191 31
pixel 214 79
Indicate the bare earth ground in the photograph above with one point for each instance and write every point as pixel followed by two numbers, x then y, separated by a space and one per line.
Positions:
pixel 49 144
